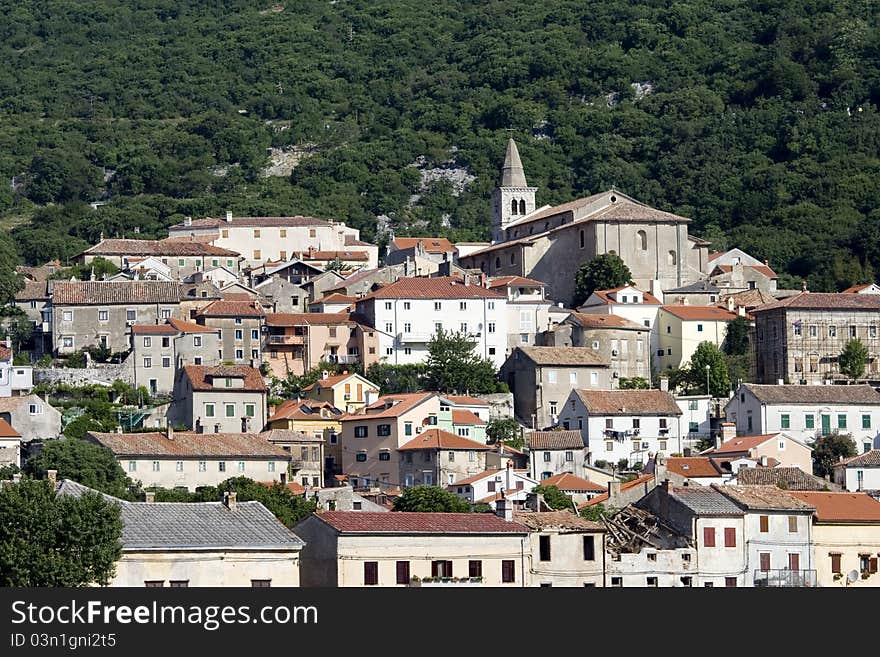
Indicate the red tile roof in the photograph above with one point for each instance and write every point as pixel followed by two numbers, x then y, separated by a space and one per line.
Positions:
pixel 257 222
pixel 335 298
pixel 857 288
pixel 430 244
pixel 187 443
pixel 599 499
pixel 166 247
pixel 597 321
pixel 477 477
pixel 842 508
pixel 742 444
pixel 307 319
pixel 514 281
pixel 442 287
pixel 153 329
pixel 306 409
pixel 200 378
pixel 628 402
pixel 189 327
pixel 567 481
pixel 763 269
pixel 570 439
pixel 331 381
pixel 464 400
pixel 694 466
pixel 115 292
pixel 365 522
pixel 390 406
pixel 5 353
pixel 647 297
pixel 439 439
pixel 347 256
pixel 462 416
pixel 351 240
pixel 6 430
pixel 826 301
pixel 700 313
pixel 230 308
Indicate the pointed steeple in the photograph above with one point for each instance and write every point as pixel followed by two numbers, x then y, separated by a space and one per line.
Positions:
pixel 512 173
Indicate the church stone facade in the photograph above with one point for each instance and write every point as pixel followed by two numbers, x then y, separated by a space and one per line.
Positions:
pixel 550 243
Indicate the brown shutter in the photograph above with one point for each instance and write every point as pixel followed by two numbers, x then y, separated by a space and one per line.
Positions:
pixel 765 524
pixel 835 563
pixel 729 537
pixel 765 561
pixel 435 567
pixel 403 572
pixel 708 537
pixel 872 565
pixel 794 562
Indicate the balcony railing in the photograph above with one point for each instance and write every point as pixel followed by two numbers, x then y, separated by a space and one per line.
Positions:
pixel 287 339
pixel 342 358
pixel 785 577
pixel 414 337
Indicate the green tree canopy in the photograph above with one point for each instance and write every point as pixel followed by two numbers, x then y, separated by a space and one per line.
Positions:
pixel 827 451
pixel 555 498
pixel 603 272
pixel 398 378
pixel 736 342
pixel 505 430
pixel 707 354
pixel 633 383
pixel 10 281
pixel 430 498
pixel 85 463
pixel 51 540
pixel 853 359
pixel 594 512
pixel 452 365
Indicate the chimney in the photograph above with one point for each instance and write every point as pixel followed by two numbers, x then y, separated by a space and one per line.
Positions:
pixel 763 461
pixel 169 432
pixel 728 432
pixel 228 216
pixel 271 410
pixel 187 221
pixel 52 476
pixel 325 374
pixel 663 493
pixel 730 304
pixel 804 286
pixel 118 428
pixel 613 492
pixel 659 467
pixel 780 382
pixel 503 508
pixel 150 497
pixel 229 500
pixel 664 383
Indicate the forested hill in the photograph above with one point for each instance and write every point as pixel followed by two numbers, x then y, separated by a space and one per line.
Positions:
pixel 758 118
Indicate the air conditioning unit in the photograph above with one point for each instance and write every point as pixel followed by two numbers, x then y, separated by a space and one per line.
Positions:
pixel 615 375
pixel 614 352
pixel 130 322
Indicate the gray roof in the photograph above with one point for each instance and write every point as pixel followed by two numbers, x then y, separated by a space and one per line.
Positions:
pixel 805 394
pixel 700 287
pixel 869 459
pixel 168 526
pixel 793 478
pixel 704 501
pixel 561 356
pixel 763 498
pixel 512 173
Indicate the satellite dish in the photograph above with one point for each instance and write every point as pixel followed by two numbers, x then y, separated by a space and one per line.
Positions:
pixel 853 576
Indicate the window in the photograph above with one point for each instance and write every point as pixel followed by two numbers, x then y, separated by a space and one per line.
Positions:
pixel 385 455
pixel 463 327
pixel 709 585
pixel 708 537
pixel 617 582
pixel 687 580
pixel 637 423
pixel 403 572
pixel 462 305
pixel 784 421
pixel 765 561
pixel 67 316
pixel 866 421
pixel 230 410
pixel 841 421
pixel 209 410
pixel 35 409
pixel 594 378
pixel 508 571
pixel 609 446
pixel 729 537
pixel 383 430
pixel 132 466
pixel 546 457
pixel 103 315
pixel 792 524
pixel 582 238
pixel 832 331
pixel 389 351
pixel 730 582
pixel 361 457
pixel 313 232
pixel 148 362
pixel 451 456
pixel 155 466
pixel 835 563
pixel 197 341
pixel 472 456
pixel 651 581
pixel 203 466
pixel 166 361
pixel 797 329
pixel 544 548
pixel 371 573
pixel 569 456
pixel 764 522
pixel 809 421
pixel 239 334
pixel 491 327
pixel 699 328
pixel 551 376
pixel 652 556
pixel 221 466
pixel 872 331
pixel 852 331
pixel 641 241
pixel 438 305
pixel 389 327
pixel 475 568
pixel 271 466
pixel 589 548
pixel 490 305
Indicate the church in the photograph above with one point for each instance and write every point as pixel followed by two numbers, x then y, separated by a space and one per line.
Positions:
pixel 550 243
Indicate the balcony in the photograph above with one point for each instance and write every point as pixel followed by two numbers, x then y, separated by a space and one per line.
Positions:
pixel 785 577
pixel 446 581
pixel 404 338
pixel 287 339
pixel 342 358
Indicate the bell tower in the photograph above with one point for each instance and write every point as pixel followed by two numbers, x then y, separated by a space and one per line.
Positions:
pixel 513 198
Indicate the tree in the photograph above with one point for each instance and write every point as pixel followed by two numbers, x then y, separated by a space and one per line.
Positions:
pixel 852 359
pixel 736 341
pixel 19 331
pixel 10 280
pixel 53 540
pixel 603 272
pixel 277 497
pixel 827 451
pixel 705 354
pixel 431 498
pixel 505 430
pixel 593 512
pixel 452 365
pixel 634 383
pixel 397 378
pixel 85 463
pixel 335 265
pixel 555 498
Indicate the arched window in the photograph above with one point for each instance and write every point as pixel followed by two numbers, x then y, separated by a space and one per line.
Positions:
pixel 642 241
pixel 513 206
pixel 497 263
pixel 522 206
pixel 670 258
pixel 582 238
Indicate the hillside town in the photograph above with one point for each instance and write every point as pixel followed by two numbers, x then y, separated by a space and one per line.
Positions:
pixel 595 398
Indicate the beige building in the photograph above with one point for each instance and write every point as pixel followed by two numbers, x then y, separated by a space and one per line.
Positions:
pixel 846 537
pixel 680 329
pixel 222 399
pixel 10 445
pixel 306 452
pixel 528 309
pixel 372 436
pixel 239 324
pixel 318 419
pixel 261 239
pixel 296 342
pixel 183 257
pixel 159 350
pixel 440 458
pixel 175 459
pixel 770 449
pixel 621 342
pixel 413 249
pixel 541 379
pixel 351 548
pixel 566 550
pixel 179 544
pixel 344 391
pixel 550 243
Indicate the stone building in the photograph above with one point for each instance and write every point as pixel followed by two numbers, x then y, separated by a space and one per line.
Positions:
pixel 447 457
pixel 223 399
pixel 239 324
pixel 550 243
pixel 800 338
pixel 566 550
pixel 160 350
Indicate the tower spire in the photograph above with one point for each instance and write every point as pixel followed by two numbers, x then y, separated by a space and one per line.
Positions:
pixel 512 173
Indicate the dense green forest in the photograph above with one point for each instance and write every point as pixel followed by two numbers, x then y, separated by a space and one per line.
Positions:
pixel 758 120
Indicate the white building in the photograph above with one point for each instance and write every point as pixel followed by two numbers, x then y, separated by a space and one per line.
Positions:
pixel 627 302
pixel 10 445
pixel 408 313
pixel 695 421
pixel 807 412
pixel 487 487
pixel 860 472
pixel 624 424
pixel 528 310
pixel 15 380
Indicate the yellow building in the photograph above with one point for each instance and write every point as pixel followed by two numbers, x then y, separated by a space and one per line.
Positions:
pixel 350 392
pixel 315 418
pixel 681 328
pixel 846 537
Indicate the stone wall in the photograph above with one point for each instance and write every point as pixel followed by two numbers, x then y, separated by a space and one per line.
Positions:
pixel 500 404
pixel 97 373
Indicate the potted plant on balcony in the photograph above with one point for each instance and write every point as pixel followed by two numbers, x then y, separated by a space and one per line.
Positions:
pixel 415 581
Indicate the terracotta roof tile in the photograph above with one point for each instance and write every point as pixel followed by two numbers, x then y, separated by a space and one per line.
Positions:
pixel 554 440
pixel 232 308
pixel 331 381
pixel 556 520
pixel 430 244
pixel 6 430
pixel 566 481
pixel 153 329
pixel 514 281
pixel 465 417
pixel 841 507
pixel 351 240
pixel 290 436
pixel 335 298
pixel 306 319
pixel 870 459
pixel 365 522
pixel 346 256
pixel 165 247
pixel 647 297
pixel 628 485
pixel 695 466
pixel 571 356
pixel 793 479
pixel 770 498
pixel 189 327
pixel 825 301
pixel 390 406
pixel 464 400
pixel 200 378
pixel 857 288
pixel 190 444
pixel 442 287
pixel 75 293
pixel 476 477
pixel 256 222
pixel 742 444
pixel 33 291
pixel 700 313
pixel 306 409
pixel 629 402
pixel 597 321
pixel 439 439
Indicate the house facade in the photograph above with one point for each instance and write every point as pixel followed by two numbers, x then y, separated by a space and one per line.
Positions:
pixel 441 458
pixel 541 379
pixel 32 417
pixel 807 412
pixel 774 448
pixel 555 452
pixel 319 419
pixel 566 550
pixel 354 549
pixel 220 399
pixel 528 309
pixel 859 473
pixel 239 325
pixel 306 452
pixel 160 350
pixel 680 329
pixel 345 391
pixel 624 425
pixel 488 486
pixel 182 257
